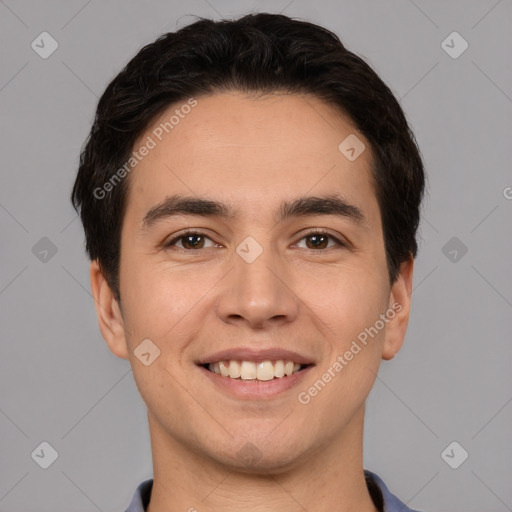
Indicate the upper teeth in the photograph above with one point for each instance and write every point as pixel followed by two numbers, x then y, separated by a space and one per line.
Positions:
pixel 249 370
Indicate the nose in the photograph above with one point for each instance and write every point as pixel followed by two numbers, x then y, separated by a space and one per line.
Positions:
pixel 259 294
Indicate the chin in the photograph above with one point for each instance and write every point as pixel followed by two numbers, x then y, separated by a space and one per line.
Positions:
pixel 260 455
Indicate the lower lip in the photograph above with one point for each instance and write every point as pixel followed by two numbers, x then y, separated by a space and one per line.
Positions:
pixel 253 389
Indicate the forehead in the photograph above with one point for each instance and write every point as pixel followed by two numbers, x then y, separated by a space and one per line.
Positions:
pixel 248 151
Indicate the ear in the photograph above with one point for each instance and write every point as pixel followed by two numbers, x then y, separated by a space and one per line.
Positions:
pixel 400 303
pixel 109 314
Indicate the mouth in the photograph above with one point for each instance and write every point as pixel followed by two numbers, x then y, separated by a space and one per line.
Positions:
pixel 249 374
pixel 255 371
pixel 251 380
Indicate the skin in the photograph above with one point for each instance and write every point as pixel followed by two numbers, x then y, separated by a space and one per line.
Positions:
pixel 252 153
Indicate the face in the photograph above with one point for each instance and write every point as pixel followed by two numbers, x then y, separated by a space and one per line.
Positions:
pixel 262 277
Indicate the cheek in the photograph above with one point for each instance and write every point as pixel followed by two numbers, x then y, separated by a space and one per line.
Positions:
pixel 348 305
pixel 347 299
pixel 158 300
pixel 349 310
pixel 159 306
pixel 167 303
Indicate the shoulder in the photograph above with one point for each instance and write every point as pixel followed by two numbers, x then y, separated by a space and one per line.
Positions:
pixel 390 501
pixel 141 497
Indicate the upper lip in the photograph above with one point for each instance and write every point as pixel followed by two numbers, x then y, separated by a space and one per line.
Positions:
pixel 248 354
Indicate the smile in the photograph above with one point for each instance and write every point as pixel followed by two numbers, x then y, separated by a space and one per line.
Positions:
pixel 256 371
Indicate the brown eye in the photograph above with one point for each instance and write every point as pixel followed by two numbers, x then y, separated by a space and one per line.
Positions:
pixel 320 240
pixel 189 241
pixel 192 241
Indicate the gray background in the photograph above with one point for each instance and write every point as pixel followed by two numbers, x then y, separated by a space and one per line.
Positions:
pixel 451 382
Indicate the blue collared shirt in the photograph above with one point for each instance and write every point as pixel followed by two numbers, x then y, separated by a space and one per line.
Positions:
pixel 142 495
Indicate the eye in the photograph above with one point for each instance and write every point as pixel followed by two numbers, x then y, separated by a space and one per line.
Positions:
pixel 320 240
pixel 190 240
pixel 195 240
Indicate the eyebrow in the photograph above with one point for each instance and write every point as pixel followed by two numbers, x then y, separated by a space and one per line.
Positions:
pixel 332 204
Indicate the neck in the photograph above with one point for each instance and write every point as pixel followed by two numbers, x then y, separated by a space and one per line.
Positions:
pixel 329 478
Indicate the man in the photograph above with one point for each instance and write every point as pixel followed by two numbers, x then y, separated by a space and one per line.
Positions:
pixel 250 194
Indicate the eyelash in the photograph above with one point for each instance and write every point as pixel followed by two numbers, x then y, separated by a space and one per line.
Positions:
pixel 171 243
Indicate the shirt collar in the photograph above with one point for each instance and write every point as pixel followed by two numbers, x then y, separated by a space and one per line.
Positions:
pixel 140 499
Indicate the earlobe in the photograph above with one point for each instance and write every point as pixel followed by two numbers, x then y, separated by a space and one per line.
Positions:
pixel 109 315
pixel 399 310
